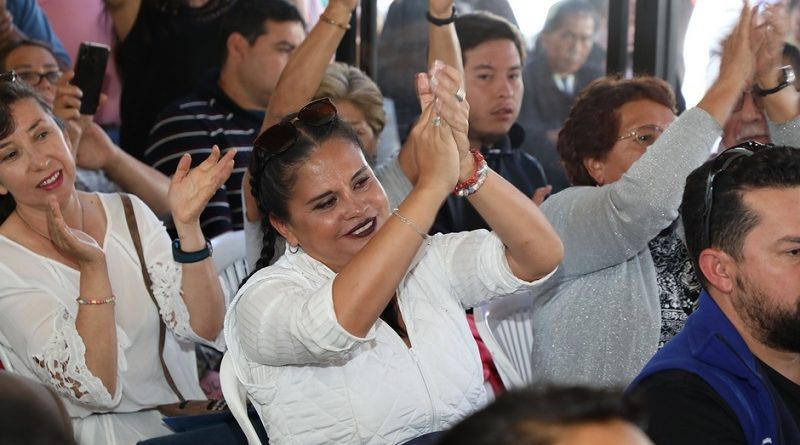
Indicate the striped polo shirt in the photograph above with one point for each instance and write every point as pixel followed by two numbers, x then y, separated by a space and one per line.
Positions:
pixel 193 125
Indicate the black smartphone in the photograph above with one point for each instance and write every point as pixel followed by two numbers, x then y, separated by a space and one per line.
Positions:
pixel 90 69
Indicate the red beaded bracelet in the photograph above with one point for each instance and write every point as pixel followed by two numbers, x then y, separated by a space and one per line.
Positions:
pixel 480 171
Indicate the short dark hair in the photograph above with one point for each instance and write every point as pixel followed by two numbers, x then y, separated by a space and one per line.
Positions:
pixel 476 28
pixel 559 12
pixel 8 49
pixel 11 93
pixel 248 18
pixel 731 220
pixel 533 416
pixel 593 124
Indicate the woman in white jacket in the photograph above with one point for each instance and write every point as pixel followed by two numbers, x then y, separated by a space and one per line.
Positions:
pixel 358 334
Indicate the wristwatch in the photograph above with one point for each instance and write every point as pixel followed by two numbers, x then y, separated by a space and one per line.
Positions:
pixel 442 22
pixel 788 78
pixel 190 257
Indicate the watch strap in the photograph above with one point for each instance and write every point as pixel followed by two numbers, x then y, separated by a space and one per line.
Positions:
pixel 441 22
pixel 788 78
pixel 190 257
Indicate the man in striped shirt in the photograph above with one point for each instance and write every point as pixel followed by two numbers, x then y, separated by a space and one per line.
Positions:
pixel 228 105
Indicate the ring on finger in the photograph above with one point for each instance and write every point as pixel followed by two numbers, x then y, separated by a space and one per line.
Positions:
pixel 437 121
pixel 460 94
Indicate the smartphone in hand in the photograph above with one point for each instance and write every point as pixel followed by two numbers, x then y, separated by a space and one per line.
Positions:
pixel 90 69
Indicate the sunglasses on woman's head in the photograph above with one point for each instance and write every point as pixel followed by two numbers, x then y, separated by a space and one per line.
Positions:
pixel 282 136
pixel 721 163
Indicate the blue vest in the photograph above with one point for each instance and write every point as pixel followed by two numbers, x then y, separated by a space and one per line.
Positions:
pixel 711 348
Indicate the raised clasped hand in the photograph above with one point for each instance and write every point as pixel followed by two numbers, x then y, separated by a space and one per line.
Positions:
pixel 739 50
pixel 191 189
pixel 435 149
pixel 450 101
pixel 769 37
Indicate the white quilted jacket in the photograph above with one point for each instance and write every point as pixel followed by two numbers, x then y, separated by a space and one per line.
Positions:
pixel 314 383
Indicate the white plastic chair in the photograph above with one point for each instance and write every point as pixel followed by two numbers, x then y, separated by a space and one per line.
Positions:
pixel 236 398
pixel 506 327
pixel 229 257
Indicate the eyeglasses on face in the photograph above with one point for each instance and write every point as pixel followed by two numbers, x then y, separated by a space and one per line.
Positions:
pixel 282 136
pixel 721 163
pixel 645 135
pixel 758 101
pixel 34 78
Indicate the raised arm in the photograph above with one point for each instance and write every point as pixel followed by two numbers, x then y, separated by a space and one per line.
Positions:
pixel 303 73
pixel 784 105
pixel 97 151
pixel 189 192
pixel 442 40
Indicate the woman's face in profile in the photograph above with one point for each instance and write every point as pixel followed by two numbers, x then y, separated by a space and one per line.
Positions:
pixel 336 205
pixel 35 160
pixel 636 114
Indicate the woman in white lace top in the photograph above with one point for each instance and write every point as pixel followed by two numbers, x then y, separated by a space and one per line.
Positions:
pixel 74 309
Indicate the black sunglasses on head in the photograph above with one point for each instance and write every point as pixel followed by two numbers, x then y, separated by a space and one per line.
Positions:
pixel 720 164
pixel 282 136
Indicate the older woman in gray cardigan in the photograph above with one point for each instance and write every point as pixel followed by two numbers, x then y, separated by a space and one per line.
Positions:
pixel 599 320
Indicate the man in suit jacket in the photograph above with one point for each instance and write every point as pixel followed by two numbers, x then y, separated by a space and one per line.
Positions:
pixel 557 70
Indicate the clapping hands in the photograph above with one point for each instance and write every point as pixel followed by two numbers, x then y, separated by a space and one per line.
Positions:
pixel 191 189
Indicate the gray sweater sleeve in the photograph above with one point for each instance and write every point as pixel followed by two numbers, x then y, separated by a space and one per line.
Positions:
pixel 787 133
pixel 604 226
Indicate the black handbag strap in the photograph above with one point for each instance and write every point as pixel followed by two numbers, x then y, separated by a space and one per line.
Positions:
pixel 133 227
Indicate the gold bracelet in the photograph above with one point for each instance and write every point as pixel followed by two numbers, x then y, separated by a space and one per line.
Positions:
pixel 409 223
pixel 82 301
pixel 333 22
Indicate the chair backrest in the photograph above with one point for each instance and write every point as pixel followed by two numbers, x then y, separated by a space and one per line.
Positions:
pixel 506 327
pixel 229 257
pixel 236 398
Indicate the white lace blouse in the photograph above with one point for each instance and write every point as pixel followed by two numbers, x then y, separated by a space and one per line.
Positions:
pixel 37 326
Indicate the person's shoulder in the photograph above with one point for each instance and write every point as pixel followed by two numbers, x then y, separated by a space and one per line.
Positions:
pixel 684 409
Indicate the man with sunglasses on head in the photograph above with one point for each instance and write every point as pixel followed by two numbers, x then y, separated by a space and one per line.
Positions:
pixel 732 375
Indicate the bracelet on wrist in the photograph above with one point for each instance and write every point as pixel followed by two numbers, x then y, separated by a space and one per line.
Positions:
pixel 409 223
pixel 83 301
pixel 190 257
pixel 325 19
pixel 471 185
pixel 441 22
